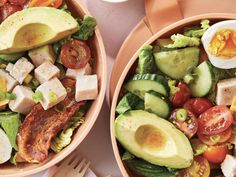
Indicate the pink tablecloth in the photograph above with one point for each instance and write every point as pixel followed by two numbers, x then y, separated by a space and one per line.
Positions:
pixel 115 22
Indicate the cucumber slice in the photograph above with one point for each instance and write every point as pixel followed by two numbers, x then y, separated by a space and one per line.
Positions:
pixel 204 81
pixel 142 83
pixel 177 63
pixel 157 103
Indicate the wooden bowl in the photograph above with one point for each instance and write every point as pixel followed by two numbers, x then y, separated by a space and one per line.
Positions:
pixel 100 68
pixel 165 32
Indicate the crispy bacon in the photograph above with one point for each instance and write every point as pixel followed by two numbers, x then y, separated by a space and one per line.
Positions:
pixel 40 126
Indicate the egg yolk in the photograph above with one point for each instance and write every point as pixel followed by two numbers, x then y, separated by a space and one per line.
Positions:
pixel 223 44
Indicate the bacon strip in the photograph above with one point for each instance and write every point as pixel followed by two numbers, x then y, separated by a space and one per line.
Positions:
pixel 40 126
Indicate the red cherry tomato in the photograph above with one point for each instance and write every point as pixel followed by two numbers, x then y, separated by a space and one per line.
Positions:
pixel 181 96
pixel 7 10
pixel 2 2
pixel 216 139
pixel 199 168
pixel 216 154
pixel 48 3
pixel 188 126
pixel 18 2
pixel 75 54
pixel 198 105
pixel 215 120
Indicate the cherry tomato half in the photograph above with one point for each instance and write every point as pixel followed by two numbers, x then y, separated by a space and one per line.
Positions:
pixel 18 2
pixel 7 10
pixel 215 120
pixel 188 125
pixel 181 96
pixel 75 54
pixel 216 154
pixel 216 139
pixel 48 3
pixel 199 168
pixel 198 105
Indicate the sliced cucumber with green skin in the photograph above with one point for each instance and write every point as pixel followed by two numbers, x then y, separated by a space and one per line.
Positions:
pixel 157 103
pixel 204 80
pixel 11 57
pixel 177 63
pixel 141 83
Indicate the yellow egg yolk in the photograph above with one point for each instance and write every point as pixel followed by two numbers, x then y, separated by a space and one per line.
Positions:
pixel 223 44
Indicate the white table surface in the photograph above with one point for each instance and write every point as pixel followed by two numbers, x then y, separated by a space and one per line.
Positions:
pixel 115 21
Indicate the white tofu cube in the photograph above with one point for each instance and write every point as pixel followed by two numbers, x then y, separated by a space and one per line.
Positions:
pixel 10 81
pixel 46 71
pixel 74 73
pixel 226 90
pixel 42 54
pixel 228 166
pixel 55 87
pixel 9 67
pixel 21 69
pixel 23 102
pixel 86 88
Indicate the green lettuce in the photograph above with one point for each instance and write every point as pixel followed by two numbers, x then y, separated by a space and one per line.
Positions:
pixel 197 31
pixel 146 63
pixel 10 122
pixel 181 41
pixel 86 30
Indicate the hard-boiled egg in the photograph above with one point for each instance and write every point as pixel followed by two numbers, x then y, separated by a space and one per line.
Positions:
pixel 219 42
pixel 5 147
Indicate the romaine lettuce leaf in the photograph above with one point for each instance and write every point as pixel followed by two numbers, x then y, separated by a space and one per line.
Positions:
pixel 181 41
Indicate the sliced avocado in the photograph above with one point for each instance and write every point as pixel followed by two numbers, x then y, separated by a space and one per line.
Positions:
pixel 177 63
pixel 11 57
pixel 34 27
pixel 153 139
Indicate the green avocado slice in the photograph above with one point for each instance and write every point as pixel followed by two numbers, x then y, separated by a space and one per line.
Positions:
pixel 153 139
pixel 34 27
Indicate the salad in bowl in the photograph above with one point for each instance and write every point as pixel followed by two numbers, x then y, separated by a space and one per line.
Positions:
pixel 175 112
pixel 49 76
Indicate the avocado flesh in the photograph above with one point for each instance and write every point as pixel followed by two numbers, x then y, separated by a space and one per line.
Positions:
pixel 34 27
pixel 153 139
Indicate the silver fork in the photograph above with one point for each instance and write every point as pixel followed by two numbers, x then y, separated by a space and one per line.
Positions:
pixel 72 167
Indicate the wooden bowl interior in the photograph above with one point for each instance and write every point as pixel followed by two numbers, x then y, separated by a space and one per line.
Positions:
pixel 99 68
pixel 130 68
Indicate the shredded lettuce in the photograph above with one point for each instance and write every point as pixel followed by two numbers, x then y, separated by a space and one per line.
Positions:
pixel 197 31
pixel 146 63
pixel 127 156
pixel 13 159
pixel 37 96
pixel 65 136
pixel 183 41
pixel 10 122
pixel 86 30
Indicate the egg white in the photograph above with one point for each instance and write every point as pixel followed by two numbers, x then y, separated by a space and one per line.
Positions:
pixel 206 39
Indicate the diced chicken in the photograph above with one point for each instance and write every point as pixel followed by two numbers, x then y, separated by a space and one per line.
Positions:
pixel 46 71
pixel 9 67
pixel 228 166
pixel 10 81
pixel 86 88
pixel 42 54
pixel 23 102
pixel 49 89
pixel 21 69
pixel 74 73
pixel 226 90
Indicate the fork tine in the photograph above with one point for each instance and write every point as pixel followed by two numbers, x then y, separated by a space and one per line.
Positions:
pixel 80 165
pixel 75 162
pixel 85 169
pixel 66 161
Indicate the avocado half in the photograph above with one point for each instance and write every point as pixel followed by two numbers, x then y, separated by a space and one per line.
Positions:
pixel 34 27
pixel 153 139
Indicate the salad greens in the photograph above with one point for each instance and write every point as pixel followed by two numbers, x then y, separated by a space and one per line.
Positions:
pixel 10 122
pixel 197 31
pixel 86 30
pixel 183 41
pixel 146 63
